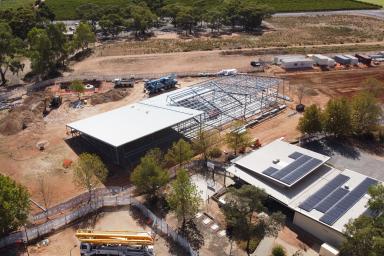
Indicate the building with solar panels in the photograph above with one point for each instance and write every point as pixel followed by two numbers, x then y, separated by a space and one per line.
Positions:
pixel 323 199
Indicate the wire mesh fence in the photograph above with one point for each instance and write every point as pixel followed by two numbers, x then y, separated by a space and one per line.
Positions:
pixel 88 203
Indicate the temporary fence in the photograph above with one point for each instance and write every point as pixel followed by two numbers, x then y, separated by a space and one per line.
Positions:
pixel 89 203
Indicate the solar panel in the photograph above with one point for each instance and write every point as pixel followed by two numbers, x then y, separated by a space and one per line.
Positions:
pixel 333 214
pixel 270 170
pixel 301 171
pixel 328 188
pixel 295 155
pixel 291 167
pixel 331 200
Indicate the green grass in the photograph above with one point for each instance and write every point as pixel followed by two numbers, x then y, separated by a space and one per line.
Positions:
pixel 65 9
pixel 378 2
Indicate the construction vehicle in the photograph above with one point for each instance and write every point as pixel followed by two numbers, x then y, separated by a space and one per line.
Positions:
pixel 163 83
pixel 51 102
pixel 124 82
pixel 121 243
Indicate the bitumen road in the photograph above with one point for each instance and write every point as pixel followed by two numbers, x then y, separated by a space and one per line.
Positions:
pixel 370 13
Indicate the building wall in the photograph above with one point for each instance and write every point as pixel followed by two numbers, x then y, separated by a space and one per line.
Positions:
pixel 318 230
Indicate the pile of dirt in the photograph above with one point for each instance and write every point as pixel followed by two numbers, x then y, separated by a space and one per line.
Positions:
pixel 109 96
pixel 20 117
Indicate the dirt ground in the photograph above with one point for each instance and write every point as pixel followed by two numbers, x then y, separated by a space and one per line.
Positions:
pixel 121 219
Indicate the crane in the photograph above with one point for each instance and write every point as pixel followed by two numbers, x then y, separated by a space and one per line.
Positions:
pixel 121 243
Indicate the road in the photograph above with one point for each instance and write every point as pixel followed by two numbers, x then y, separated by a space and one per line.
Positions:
pixel 370 13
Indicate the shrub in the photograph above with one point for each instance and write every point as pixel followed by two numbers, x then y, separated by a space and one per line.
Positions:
pixel 215 152
pixel 278 250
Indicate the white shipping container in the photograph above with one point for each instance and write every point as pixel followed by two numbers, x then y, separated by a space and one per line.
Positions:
pixel 277 59
pixel 300 63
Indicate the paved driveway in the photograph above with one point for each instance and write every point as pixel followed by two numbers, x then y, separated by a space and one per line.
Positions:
pixel 344 156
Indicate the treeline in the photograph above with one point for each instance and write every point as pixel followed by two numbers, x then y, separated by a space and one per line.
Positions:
pixel 360 115
pixel 30 32
pixel 141 16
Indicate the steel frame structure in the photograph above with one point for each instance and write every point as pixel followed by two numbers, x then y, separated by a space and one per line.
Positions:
pixel 226 99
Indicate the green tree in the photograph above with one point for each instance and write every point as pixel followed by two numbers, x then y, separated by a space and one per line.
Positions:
pixel 232 12
pixel 89 171
pixel 143 19
pixel 185 19
pixel 252 14
pixel 365 113
pixel 111 24
pixel 215 18
pixel 40 51
pixel 14 205
pixel 59 49
pixel 43 13
pixel 365 235
pixel 238 137
pixel 240 209
pixel 337 117
pixel 374 86
pixel 171 10
pixel 83 36
pixel 10 48
pixel 184 198
pixel 179 153
pixel 77 86
pixel 149 177
pixel 204 142
pixel 89 12
pixel 311 122
pixel 278 250
pixel 22 20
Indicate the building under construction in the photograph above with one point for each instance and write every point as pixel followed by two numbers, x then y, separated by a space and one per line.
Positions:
pixel 124 134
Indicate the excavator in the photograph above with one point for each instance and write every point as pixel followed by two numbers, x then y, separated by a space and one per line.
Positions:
pixel 121 243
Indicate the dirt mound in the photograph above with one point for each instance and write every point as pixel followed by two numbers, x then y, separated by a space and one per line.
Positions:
pixel 19 118
pixel 109 96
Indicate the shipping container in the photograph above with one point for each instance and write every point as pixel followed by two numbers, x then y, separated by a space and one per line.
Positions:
pixel 323 60
pixel 353 59
pixel 342 60
pixel 297 63
pixel 364 59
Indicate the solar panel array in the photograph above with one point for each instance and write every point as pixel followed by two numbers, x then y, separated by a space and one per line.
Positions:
pixel 331 200
pixel 323 192
pixel 346 203
pixel 301 166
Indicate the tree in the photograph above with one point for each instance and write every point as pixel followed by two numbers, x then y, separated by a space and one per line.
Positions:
pixel 374 86
pixel 111 24
pixel 365 235
pixel 301 91
pixel 77 86
pixel 215 18
pixel 232 12
pixel 238 138
pixel 184 199
pixel 83 36
pixel 22 20
pixel 59 44
pixel 252 14
pixel 337 117
pixel 311 122
pixel 14 205
pixel 40 51
pixel 10 47
pixel 278 250
pixel 45 189
pixel 149 177
pixel 185 19
pixel 43 13
pixel 204 143
pixel 171 11
pixel 179 153
pixel 365 113
pixel 241 214
pixel 89 12
pixel 143 19
pixel 89 171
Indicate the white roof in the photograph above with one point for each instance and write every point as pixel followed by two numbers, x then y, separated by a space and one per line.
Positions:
pixel 261 159
pixel 298 59
pixel 132 122
pixel 294 196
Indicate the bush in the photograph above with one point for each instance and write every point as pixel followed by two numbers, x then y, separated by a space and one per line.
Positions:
pixel 215 152
pixel 278 250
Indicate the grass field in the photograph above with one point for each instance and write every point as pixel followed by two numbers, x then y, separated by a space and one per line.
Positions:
pixel 65 9
pixel 378 2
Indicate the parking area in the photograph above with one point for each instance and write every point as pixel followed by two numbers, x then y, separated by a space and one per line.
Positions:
pixel 345 155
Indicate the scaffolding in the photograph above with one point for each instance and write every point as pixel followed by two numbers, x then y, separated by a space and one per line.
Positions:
pixel 226 99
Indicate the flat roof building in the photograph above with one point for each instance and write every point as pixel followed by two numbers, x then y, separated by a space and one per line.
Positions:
pixel 324 199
